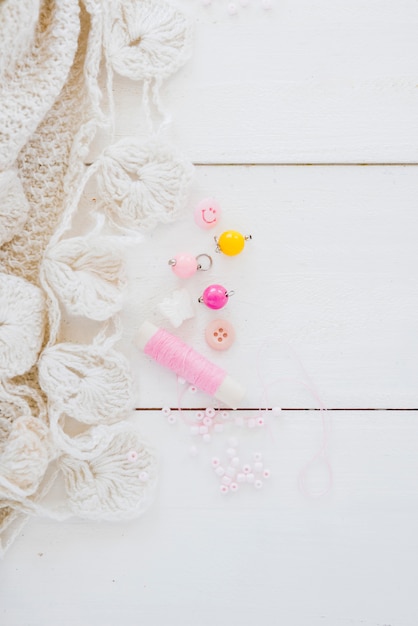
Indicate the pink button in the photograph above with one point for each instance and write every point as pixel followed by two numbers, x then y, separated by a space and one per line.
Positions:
pixel 207 213
pixel 220 334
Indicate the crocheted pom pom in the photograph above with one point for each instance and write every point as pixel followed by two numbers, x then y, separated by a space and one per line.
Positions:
pixel 116 484
pixel 148 39
pixel 25 452
pixel 142 184
pixel 87 383
pixel 14 206
pixel 87 275
pixel 22 319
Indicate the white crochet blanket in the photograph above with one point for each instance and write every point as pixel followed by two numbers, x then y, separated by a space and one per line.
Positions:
pixel 51 107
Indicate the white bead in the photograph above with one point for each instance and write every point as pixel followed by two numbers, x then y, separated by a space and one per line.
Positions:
pixel 220 471
pixel 233 442
pixel 266 473
pixel 225 415
pixel 232 8
pixel 207 421
pixel 215 461
pixel 239 421
pixel 258 484
pixel 257 456
pixel 171 419
pixel 193 389
pixel 267 4
pixel 193 451
pixel 231 452
pixel 235 461
pixel 224 489
pixel 260 422
pixel 258 467
pixel 203 430
pixel 143 476
pixel 241 478
pixel 206 438
pixel 276 410
pixel 194 430
pixel 246 469
pixel 166 411
pixel 181 381
pixel 199 416
pixel 251 423
pixel 233 487
pixel 230 471
pixel 210 411
pixel 226 480
pixel 244 3
pixel 218 428
pixel 250 478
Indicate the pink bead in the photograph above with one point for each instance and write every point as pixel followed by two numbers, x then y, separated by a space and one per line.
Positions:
pixel 207 213
pixel 224 489
pixel 233 487
pixel 184 265
pixel 215 296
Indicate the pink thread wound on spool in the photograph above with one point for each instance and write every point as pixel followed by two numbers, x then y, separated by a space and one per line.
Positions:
pixel 173 353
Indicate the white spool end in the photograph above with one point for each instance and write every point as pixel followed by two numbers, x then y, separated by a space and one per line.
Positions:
pixel 230 392
pixel 146 331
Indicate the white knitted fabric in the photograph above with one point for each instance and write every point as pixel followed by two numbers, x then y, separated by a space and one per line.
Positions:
pixel 63 405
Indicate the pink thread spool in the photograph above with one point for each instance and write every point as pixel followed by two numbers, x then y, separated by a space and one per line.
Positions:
pixel 171 352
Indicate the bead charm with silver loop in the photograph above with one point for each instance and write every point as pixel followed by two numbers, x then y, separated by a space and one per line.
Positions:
pixel 215 296
pixel 231 242
pixel 185 265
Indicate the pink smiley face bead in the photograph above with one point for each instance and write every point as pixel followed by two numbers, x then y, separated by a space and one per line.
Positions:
pixel 215 296
pixel 207 213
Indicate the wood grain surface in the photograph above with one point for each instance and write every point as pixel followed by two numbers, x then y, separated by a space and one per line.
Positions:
pixel 325 310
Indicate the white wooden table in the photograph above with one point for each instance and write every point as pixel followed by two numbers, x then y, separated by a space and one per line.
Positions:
pixel 281 111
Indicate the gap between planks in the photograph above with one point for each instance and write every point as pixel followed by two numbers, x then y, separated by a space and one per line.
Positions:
pixel 159 408
pixel 317 164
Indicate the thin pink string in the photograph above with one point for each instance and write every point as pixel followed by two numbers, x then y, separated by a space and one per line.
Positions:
pixel 321 456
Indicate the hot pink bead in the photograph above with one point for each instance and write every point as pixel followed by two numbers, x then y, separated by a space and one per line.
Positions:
pixel 215 296
pixel 184 265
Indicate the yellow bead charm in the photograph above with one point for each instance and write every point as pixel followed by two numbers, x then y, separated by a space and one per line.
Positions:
pixel 231 242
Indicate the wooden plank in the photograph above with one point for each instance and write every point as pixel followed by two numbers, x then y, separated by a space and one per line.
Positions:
pixel 325 293
pixel 271 556
pixel 326 81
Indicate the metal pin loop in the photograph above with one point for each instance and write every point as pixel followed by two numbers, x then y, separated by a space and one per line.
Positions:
pixel 200 266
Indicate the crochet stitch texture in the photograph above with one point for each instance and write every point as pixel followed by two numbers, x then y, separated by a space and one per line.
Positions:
pixel 50 110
